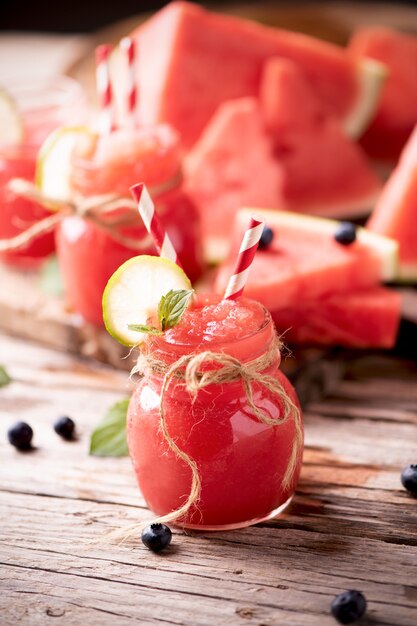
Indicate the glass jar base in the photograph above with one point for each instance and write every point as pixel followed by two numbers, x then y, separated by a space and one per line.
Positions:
pixel 235 526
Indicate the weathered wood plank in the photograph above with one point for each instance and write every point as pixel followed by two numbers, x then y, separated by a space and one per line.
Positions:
pixel 292 579
pixel 351 525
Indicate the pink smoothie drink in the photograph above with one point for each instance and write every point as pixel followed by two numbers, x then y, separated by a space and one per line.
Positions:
pixel 243 463
pixel 43 109
pixel 111 164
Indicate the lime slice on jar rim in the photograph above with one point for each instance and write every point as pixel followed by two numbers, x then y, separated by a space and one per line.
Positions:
pixel 54 160
pixel 133 293
pixel 11 120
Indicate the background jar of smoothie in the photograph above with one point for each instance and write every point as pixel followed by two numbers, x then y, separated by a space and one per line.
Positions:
pixel 43 107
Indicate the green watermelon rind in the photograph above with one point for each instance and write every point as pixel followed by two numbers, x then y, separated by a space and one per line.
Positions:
pixel 385 248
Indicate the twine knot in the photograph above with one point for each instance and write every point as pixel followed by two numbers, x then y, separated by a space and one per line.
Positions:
pixel 97 209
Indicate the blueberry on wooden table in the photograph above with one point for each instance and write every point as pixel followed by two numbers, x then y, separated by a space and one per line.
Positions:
pixel 64 427
pixel 266 238
pixel 348 606
pixel 345 233
pixel 409 479
pixel 156 537
pixel 20 436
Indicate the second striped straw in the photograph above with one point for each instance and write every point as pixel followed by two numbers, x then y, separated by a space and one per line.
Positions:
pixel 128 47
pixel 245 258
pixel 153 224
pixel 106 116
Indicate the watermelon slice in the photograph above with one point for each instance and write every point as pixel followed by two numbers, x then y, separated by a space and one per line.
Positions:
pixel 287 99
pixel 203 58
pixel 397 110
pixel 359 319
pixel 231 166
pixel 395 214
pixel 310 168
pixel 314 286
pixel 304 262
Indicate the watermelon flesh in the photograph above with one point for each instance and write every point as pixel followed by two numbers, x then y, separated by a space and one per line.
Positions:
pixel 287 99
pixel 359 319
pixel 202 59
pixel 395 214
pixel 305 278
pixel 397 110
pixel 231 166
pixel 324 172
pixel 304 165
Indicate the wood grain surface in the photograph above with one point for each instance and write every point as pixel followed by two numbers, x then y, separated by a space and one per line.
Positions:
pixel 351 525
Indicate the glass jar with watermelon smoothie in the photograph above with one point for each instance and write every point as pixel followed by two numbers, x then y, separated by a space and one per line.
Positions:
pixel 39 109
pixel 111 164
pixel 247 455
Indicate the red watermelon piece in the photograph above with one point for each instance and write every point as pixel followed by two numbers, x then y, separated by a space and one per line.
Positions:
pixel 397 111
pixel 287 99
pixel 395 214
pixel 192 60
pixel 231 166
pixel 305 277
pixel 359 319
pixel 304 167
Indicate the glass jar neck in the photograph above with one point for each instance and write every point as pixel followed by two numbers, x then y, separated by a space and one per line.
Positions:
pixel 246 348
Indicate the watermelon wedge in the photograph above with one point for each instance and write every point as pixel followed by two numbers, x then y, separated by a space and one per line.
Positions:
pixel 287 99
pixel 203 58
pixel 397 110
pixel 304 167
pixel 231 166
pixel 359 319
pixel 305 278
pixel 395 214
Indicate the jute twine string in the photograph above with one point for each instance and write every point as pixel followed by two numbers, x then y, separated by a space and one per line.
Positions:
pixel 192 370
pixel 94 208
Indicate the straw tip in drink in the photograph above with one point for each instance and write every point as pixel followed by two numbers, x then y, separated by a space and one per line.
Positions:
pixel 126 43
pixel 103 51
pixel 137 190
pixel 256 220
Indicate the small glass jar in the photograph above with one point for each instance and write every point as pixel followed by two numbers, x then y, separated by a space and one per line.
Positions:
pixel 88 254
pixel 242 462
pixel 43 107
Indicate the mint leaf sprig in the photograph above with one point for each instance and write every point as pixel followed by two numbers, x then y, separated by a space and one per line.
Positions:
pixel 109 437
pixel 171 308
pixel 4 377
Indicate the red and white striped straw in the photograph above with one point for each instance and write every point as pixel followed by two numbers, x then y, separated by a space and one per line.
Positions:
pixel 128 47
pixel 106 121
pixel 244 261
pixel 153 224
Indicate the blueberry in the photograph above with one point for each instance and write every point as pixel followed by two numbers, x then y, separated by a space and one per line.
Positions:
pixel 409 479
pixel 64 427
pixel 20 436
pixel 156 537
pixel 345 233
pixel 266 238
pixel 348 606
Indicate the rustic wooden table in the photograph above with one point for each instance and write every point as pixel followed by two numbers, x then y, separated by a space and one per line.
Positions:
pixel 351 525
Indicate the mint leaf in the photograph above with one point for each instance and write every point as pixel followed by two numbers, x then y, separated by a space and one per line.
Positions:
pixel 4 377
pixel 172 306
pixel 109 438
pixel 140 328
pixel 50 280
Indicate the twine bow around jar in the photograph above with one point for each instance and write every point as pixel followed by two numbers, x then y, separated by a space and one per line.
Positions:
pixel 195 372
pixel 97 209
